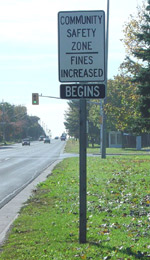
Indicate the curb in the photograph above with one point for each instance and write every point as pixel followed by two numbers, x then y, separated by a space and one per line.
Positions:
pixel 11 210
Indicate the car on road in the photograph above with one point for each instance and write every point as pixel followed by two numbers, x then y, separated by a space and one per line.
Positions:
pixel 47 140
pixel 41 138
pixel 63 138
pixel 25 141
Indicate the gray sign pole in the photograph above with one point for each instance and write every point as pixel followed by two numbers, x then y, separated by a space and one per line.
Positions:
pixel 103 129
pixel 82 191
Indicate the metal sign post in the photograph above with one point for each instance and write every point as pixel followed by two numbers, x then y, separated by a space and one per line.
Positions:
pixel 81 38
pixel 82 193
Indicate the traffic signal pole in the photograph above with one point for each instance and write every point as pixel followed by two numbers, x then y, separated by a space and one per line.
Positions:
pixel 103 129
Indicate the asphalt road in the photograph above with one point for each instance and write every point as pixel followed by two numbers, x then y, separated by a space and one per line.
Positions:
pixel 20 165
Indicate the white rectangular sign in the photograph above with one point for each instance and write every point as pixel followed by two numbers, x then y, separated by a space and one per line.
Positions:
pixel 81 37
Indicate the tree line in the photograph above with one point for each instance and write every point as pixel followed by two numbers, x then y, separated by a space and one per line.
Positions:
pixel 128 93
pixel 16 124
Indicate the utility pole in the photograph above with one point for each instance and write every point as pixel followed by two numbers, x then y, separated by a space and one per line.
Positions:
pixel 103 129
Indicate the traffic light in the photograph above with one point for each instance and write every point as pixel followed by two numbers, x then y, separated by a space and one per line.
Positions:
pixel 35 99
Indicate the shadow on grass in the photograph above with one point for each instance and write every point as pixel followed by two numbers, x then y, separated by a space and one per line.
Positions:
pixel 123 149
pixel 95 146
pixel 135 150
pixel 127 251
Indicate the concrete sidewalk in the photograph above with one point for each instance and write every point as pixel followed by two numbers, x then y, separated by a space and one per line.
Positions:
pixel 11 210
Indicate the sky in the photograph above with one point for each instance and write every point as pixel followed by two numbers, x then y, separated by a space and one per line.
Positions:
pixel 29 52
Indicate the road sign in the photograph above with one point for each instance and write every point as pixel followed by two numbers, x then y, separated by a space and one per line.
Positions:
pixel 81 37
pixel 77 91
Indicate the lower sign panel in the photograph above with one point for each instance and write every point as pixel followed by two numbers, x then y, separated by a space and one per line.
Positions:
pixel 73 91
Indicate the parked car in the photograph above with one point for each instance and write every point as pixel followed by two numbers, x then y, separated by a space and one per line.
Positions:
pixel 47 140
pixel 25 141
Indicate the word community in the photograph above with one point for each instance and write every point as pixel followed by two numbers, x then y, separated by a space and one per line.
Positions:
pixel 82 19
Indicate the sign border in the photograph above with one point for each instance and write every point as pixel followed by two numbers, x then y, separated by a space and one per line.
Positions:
pixel 82 80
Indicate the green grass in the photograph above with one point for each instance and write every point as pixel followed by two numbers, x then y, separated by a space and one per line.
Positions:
pixel 118 213
pixel 7 143
pixel 73 147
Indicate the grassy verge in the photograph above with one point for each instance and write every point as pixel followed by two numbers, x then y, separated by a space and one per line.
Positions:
pixel 73 147
pixel 6 143
pixel 118 218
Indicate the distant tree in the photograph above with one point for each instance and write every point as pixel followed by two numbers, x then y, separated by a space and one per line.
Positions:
pixel 142 78
pixel 131 28
pixel 122 100
pixel 72 119
pixel 137 63
pixel 33 127
pixel 16 124
pixel 121 104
